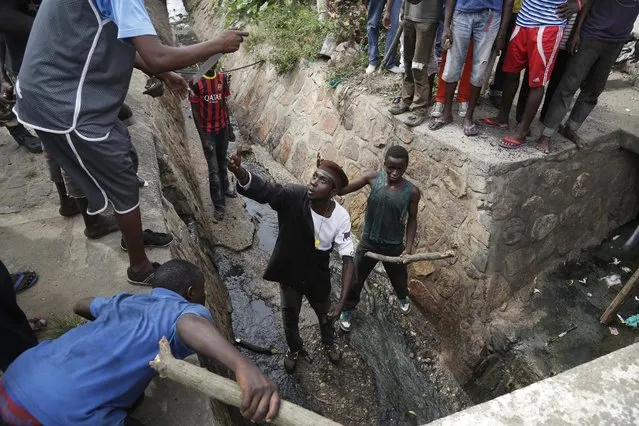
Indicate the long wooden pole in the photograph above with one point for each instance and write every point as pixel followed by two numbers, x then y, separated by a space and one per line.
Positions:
pixel 620 299
pixel 226 390
pixel 410 258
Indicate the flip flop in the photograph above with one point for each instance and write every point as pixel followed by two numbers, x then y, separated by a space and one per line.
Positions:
pixel 37 324
pixel 437 124
pixel 511 143
pixel 471 130
pixel 24 280
pixel 492 123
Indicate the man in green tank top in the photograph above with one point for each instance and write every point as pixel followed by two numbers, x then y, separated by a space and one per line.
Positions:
pixel 391 212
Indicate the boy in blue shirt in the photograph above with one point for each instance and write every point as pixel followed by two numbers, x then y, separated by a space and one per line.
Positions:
pixel 94 374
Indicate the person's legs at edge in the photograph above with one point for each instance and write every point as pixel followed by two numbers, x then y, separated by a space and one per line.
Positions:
pixel 498 81
pixel 575 74
pixel 461 34
pixel 375 9
pixel 15 331
pixel 363 267
pixel 440 94
pixel 425 37
pixel 463 87
pixel 524 90
pixel 563 56
pixel 103 170
pixel 393 60
pixel 591 88
pixel 67 208
pixel 408 86
pixel 397 275
pixel 95 225
pixel 485 29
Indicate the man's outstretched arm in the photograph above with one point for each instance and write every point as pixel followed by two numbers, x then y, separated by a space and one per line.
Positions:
pixel 357 184
pixel 158 58
pixel 260 400
pixel 83 308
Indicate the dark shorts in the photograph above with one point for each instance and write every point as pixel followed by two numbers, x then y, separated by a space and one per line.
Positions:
pixel 103 170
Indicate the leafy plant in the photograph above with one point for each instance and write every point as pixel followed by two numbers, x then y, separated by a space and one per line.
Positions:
pixel 347 20
pixel 290 33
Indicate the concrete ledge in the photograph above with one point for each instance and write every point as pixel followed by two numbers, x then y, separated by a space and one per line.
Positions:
pixel 603 391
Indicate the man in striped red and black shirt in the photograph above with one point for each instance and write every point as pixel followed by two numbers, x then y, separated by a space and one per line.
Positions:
pixel 211 116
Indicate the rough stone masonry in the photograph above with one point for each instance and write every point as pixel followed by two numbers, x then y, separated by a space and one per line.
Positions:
pixel 510 216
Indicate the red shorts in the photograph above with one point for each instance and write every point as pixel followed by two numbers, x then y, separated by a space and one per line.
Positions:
pixel 13 414
pixel 535 48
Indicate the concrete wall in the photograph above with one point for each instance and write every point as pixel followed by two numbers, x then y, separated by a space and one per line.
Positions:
pixel 603 391
pixel 509 217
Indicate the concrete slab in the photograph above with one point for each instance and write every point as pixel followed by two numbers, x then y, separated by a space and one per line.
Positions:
pixel 603 391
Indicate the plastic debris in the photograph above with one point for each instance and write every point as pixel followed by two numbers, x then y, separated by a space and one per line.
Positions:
pixel 611 280
pixel 621 320
pixel 589 294
pixel 613 331
pixel 615 261
pixel 633 321
pixel 583 280
pixel 615 237
pixel 535 291
pixel 637 298
pixel 412 413
pixel 626 269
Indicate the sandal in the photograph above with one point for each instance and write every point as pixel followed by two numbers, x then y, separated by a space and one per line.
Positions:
pixel 438 123
pixel 24 280
pixel 37 324
pixel 398 109
pixel 494 123
pixel 511 143
pixel 415 119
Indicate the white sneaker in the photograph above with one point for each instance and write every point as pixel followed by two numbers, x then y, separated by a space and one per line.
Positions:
pixel 371 69
pixel 438 110
pixel 404 305
pixel 463 109
pixel 396 70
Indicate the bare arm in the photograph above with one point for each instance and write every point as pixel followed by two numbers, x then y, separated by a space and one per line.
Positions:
pixel 411 224
pixel 359 183
pixel 195 110
pixel 575 36
pixel 260 399
pixel 83 308
pixel 157 58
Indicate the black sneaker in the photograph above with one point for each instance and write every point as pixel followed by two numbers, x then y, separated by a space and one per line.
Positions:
pixel 230 193
pixel 218 215
pixel 26 139
pixel 151 239
pixel 142 278
pixel 290 360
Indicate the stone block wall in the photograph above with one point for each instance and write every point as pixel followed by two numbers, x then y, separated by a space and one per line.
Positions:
pixel 508 220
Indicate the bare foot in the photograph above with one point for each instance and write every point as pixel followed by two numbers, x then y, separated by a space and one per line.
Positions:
pixel 572 136
pixel 496 122
pixel 470 128
pixel 37 324
pixel 543 144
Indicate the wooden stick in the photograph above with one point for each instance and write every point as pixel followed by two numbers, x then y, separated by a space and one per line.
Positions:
pixel 620 299
pixel 226 390
pixel 410 258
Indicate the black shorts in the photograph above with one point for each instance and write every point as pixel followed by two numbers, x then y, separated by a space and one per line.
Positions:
pixel 103 169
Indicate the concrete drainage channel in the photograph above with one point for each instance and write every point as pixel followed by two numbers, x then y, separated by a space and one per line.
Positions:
pixel 393 371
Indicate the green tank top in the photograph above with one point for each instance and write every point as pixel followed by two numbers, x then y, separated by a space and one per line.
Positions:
pixel 386 212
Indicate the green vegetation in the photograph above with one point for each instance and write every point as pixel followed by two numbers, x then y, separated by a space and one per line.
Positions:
pixel 290 33
pixel 347 68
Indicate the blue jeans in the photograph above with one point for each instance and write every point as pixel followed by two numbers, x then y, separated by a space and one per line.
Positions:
pixel 375 11
pixel 482 27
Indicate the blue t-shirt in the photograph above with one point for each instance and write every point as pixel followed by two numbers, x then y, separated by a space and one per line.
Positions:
pixel 91 374
pixel 130 16
pixel 470 6
pixel 611 20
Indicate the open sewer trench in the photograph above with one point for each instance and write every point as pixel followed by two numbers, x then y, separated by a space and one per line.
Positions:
pixel 381 380
pixel 391 375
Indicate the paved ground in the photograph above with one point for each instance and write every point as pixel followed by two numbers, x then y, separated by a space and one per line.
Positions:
pixel 34 236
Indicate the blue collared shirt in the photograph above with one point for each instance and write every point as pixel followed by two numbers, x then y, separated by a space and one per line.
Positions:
pixel 130 16
pixel 91 374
